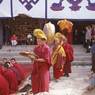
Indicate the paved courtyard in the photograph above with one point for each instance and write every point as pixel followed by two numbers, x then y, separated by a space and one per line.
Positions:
pixel 74 85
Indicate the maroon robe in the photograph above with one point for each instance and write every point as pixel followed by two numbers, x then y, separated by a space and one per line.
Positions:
pixel 1 69
pixel 57 68
pixel 12 80
pixel 4 86
pixel 69 57
pixel 69 37
pixel 20 70
pixel 40 73
pixel 17 73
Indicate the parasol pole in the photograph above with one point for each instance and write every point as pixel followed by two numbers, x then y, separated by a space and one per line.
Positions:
pixel 11 3
pixel 45 10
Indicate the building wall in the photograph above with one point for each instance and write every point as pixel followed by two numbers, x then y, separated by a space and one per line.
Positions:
pixel 21 26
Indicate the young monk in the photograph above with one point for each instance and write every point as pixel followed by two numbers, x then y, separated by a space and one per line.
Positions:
pixel 58 56
pixel 4 86
pixel 40 73
pixel 69 57
pixel 10 76
pixel 18 69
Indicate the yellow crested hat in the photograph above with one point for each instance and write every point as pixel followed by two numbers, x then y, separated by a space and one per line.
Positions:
pixel 39 34
pixel 59 36
pixel 65 24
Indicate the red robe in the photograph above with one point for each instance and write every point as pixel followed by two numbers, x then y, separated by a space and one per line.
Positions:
pixel 70 37
pixel 40 73
pixel 20 70
pixel 57 68
pixel 1 69
pixel 17 73
pixel 69 57
pixel 4 86
pixel 12 80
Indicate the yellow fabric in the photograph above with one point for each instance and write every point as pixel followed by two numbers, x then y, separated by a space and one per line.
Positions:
pixel 39 34
pixel 58 50
pixel 59 36
pixel 50 38
pixel 65 24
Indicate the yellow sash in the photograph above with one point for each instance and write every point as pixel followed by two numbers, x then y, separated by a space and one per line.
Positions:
pixel 58 50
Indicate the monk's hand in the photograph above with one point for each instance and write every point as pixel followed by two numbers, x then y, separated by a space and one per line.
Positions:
pixel 40 60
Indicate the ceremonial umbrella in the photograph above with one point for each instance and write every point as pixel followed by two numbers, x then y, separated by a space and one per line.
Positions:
pixel 65 24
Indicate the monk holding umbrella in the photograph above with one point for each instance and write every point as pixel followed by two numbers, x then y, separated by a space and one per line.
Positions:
pixel 65 27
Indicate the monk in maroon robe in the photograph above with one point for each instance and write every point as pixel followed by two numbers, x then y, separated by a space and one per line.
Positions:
pixel 68 35
pixel 4 86
pixel 66 29
pixel 40 73
pixel 10 76
pixel 69 57
pixel 18 69
pixel 58 57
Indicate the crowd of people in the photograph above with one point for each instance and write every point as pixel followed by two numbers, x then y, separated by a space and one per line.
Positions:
pixel 14 40
pixel 12 75
pixel 92 74
pixel 89 37
pixel 90 48
pixel 58 56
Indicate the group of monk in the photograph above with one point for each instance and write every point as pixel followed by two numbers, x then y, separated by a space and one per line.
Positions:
pixel 59 57
pixel 11 75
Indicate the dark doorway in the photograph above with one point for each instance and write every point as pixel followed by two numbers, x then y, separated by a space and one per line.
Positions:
pixel 6 35
pixel 79 31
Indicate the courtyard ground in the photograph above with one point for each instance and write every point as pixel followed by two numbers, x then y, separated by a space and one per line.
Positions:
pixel 76 84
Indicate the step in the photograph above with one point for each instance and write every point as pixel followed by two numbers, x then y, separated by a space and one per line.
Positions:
pixel 82 58
pixel 80 55
pixel 85 62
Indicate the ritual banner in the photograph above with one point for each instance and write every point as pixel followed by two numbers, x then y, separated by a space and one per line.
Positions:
pixel 5 8
pixel 50 9
pixel 71 9
pixel 32 8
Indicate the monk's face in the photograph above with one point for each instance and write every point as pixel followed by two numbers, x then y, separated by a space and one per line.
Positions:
pixel 39 41
pixel 57 41
pixel 4 60
pixel 12 61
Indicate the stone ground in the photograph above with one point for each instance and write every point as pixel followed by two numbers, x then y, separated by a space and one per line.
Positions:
pixel 74 85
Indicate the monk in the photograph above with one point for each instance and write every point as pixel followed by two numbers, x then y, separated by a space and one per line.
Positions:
pixel 4 86
pixel 58 57
pixel 41 65
pixel 18 69
pixel 69 57
pixel 65 27
pixel 10 76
